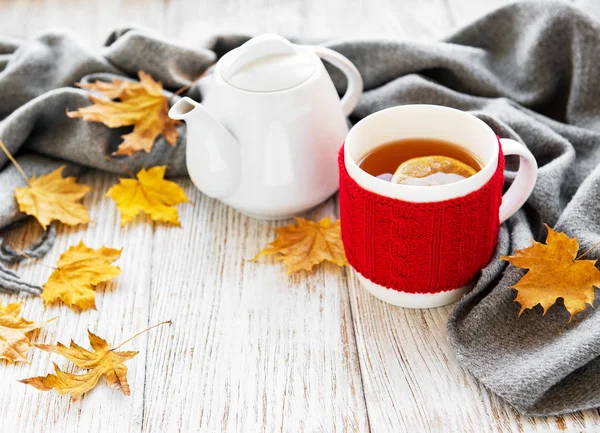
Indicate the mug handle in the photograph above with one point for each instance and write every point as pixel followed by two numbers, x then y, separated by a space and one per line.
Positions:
pixel 521 188
pixel 355 82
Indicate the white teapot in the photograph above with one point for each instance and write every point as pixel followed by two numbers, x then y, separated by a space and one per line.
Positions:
pixel 266 136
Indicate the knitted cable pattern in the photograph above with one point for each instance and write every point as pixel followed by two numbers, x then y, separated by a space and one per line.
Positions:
pixel 419 247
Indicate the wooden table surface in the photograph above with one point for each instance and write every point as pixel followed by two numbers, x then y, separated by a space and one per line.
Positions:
pixel 251 349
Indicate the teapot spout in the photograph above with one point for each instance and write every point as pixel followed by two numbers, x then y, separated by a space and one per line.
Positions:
pixel 183 109
pixel 212 153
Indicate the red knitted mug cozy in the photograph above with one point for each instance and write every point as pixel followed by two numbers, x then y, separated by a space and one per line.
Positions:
pixel 419 247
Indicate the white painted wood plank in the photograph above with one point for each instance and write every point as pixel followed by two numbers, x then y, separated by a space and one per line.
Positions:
pixel 93 20
pixel 252 349
pixel 194 20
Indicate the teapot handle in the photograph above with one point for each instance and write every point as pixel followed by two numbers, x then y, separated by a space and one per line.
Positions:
pixel 355 82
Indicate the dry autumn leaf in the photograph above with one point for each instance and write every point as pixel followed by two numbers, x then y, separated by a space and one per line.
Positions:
pixel 555 272
pixel 149 193
pixel 103 361
pixel 51 197
pixel 54 197
pixel 15 332
pixel 141 105
pixel 77 271
pixel 307 244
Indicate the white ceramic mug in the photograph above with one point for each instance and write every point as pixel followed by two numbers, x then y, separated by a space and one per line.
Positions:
pixel 424 121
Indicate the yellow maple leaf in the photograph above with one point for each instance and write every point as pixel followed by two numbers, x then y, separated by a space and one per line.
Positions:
pixel 101 362
pixel 50 197
pixel 306 244
pixel 77 271
pixel 141 105
pixel 555 272
pixel 54 197
pixel 15 332
pixel 149 193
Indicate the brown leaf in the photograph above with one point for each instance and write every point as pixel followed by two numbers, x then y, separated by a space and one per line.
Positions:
pixel 141 105
pixel 307 244
pixel 101 362
pixel 15 332
pixel 554 272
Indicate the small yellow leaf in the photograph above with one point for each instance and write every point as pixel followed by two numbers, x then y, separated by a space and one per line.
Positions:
pixel 142 105
pixel 53 197
pixel 554 272
pixel 15 332
pixel 307 244
pixel 77 271
pixel 149 193
pixel 101 362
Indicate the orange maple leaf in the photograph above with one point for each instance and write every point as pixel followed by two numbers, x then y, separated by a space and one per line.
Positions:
pixel 141 105
pixel 15 331
pixel 303 245
pixel 101 361
pixel 555 272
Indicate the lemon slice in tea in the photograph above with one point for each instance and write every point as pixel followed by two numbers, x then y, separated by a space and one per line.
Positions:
pixel 417 168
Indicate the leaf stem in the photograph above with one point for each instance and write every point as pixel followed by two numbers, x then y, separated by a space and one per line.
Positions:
pixel 588 250
pixel 187 86
pixel 27 256
pixel 123 166
pixel 36 261
pixel 166 322
pixel 14 161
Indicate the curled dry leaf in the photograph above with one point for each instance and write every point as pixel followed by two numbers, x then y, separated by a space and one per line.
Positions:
pixel 306 244
pixel 101 362
pixel 77 271
pixel 149 193
pixel 141 105
pixel 555 272
pixel 15 332
pixel 54 198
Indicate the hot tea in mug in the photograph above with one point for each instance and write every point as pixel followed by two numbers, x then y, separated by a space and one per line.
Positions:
pixel 420 161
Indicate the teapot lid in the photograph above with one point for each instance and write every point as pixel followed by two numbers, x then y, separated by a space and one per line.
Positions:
pixel 267 63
